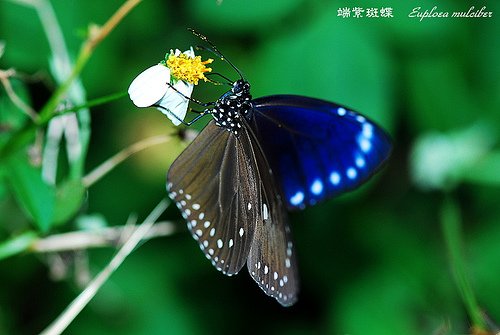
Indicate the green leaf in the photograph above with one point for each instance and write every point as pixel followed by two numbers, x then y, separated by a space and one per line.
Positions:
pixel 17 244
pixel 69 197
pixel 31 192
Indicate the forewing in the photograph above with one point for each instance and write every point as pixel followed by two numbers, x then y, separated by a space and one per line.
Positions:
pixel 213 182
pixel 317 149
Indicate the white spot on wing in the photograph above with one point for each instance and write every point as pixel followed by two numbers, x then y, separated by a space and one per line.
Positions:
pixel 335 178
pixel 265 212
pixel 351 173
pixel 317 187
pixel 364 144
pixel 367 130
pixel 297 198
pixel 360 162
pixel 241 232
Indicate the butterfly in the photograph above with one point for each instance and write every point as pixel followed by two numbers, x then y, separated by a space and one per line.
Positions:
pixel 255 160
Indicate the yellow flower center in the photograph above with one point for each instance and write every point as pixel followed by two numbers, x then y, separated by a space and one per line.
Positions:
pixel 189 69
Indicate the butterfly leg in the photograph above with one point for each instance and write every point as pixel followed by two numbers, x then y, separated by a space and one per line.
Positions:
pixel 196 101
pixel 199 116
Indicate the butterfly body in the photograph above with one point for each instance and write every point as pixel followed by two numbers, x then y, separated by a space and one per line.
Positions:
pixel 232 105
pixel 258 158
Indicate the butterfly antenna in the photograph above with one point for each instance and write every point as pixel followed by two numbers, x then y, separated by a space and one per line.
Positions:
pixel 214 50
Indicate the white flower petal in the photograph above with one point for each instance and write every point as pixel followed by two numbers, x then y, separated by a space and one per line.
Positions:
pixel 149 86
pixel 190 53
pixel 174 103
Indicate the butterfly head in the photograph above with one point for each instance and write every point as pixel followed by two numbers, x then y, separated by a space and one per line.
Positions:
pixel 241 88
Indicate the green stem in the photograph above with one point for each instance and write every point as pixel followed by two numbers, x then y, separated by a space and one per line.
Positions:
pixel 95 102
pixel 451 225
pixel 25 135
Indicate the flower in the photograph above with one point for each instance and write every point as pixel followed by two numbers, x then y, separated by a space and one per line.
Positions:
pixel 187 66
pixel 169 84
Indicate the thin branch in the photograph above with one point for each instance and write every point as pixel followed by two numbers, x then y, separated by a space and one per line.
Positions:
pixel 4 78
pixel 112 162
pixel 71 312
pixel 97 35
pixel 106 237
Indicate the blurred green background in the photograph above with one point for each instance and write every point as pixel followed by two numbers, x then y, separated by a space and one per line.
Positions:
pixel 371 262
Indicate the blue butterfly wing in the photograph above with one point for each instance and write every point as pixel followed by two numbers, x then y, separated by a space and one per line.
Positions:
pixel 317 149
